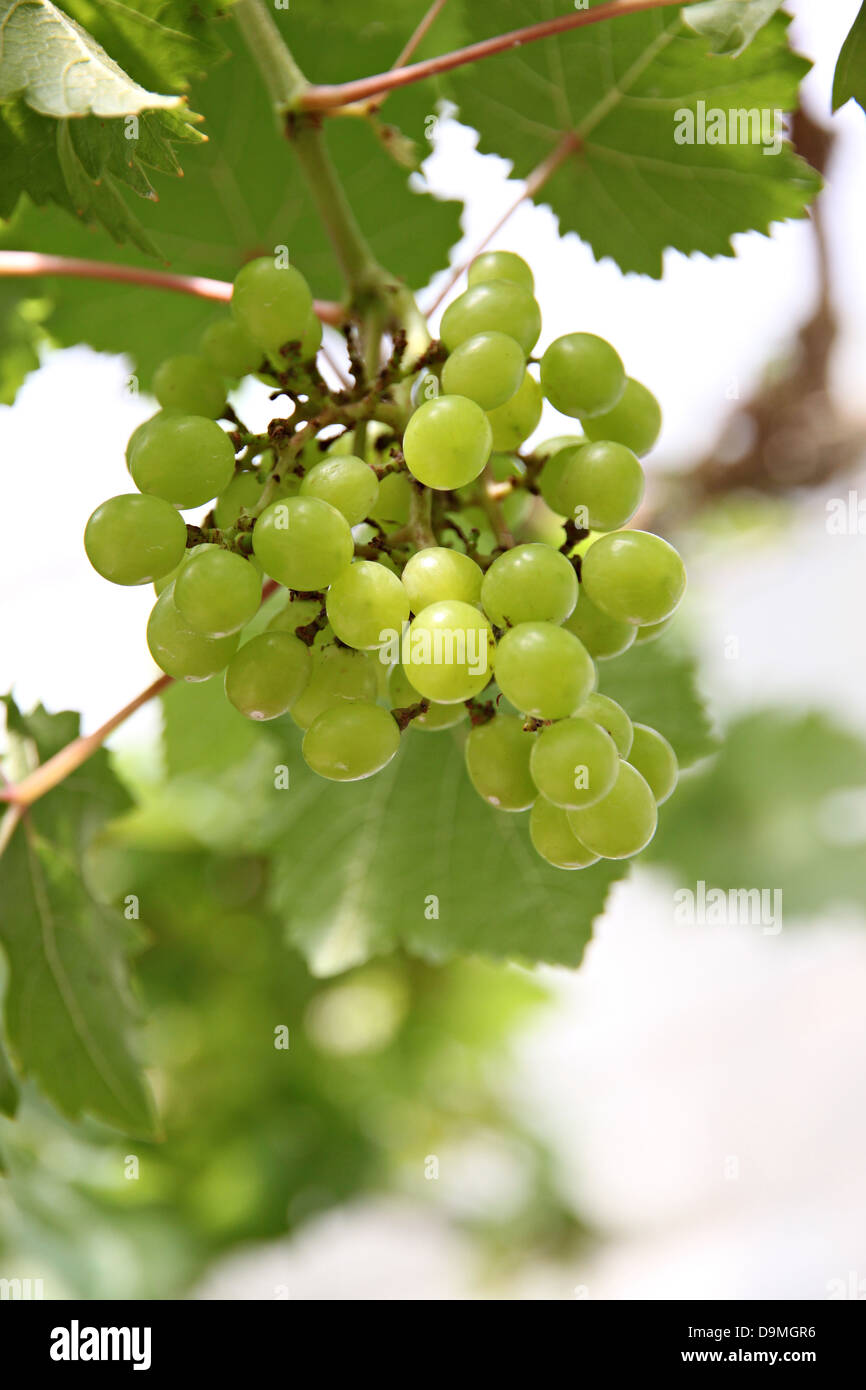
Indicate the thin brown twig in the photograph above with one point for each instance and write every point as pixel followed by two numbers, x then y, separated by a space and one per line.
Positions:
pixel 411 45
pixel 32 264
pixel 328 97
pixel 569 144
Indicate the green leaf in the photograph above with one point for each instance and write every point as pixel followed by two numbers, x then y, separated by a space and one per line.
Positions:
pixel 20 338
pixel 730 25
pixel 656 684
pixel 771 812
pixel 9 1092
pixel 243 193
pixel 67 1013
pixel 629 189
pixel 850 77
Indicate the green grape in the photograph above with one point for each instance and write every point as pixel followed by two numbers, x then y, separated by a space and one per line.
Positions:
pixel 366 605
pixel 303 542
pixel 271 304
pixel 228 348
pixel 530 583
pixel 488 368
pixel 242 493
pixel 427 386
pixel 348 483
pixel 501 265
pixel 648 632
pixel 635 420
pixel 495 306
pixel 582 375
pixel 599 486
pixel 497 760
pixel 602 636
pixel 267 674
pixel 164 580
pixel 393 501
pixel 652 756
pixel 514 421
pixel 295 613
pixel 311 338
pixel 351 741
pixel 574 762
pixel 548 447
pixel 634 576
pixel 553 838
pixel 217 591
pixel 338 674
pixel 178 649
pixel 189 385
pixel 602 710
pixel 543 670
pixel 133 539
pixel 447 651
pixel 185 459
pixel 402 694
pixel 436 573
pixel 447 442
pixel 139 434
pixel 517 508
pixel 623 822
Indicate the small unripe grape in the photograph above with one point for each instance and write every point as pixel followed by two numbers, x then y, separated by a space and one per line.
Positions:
pixel 514 421
pixel 393 500
pixel 133 539
pixel 622 823
pixel 553 838
pixel 603 636
pixel 267 674
pixel 229 349
pixel 599 486
pixel 611 717
pixel 447 442
pixel 185 459
pixel 351 741
pixel 311 338
pixel 295 613
pixel 543 670
pixel 242 493
pixel 574 762
pixel 178 649
pixel 488 368
pixel 497 760
pixel 402 695
pixel 190 385
pixel 338 674
pixel 655 760
pixel 366 605
pixel 634 421
pixel 348 483
pixel 218 591
pixel 634 576
pixel 530 583
pixel 437 573
pixel 648 632
pixel 303 542
pixel 497 306
pixel 448 651
pixel 501 265
pixel 582 375
pixel 271 303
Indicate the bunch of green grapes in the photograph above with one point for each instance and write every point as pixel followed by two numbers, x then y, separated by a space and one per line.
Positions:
pixel 444 577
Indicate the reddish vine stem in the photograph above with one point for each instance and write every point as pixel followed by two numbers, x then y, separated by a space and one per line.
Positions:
pixel 329 97
pixel 31 264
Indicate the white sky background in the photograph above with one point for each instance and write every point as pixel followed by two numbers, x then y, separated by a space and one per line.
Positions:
pixel 669 1052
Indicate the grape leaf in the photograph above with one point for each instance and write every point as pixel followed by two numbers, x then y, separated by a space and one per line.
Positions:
pixel 9 1093
pixel 21 337
pixel 757 816
pixel 242 194
pixel 66 1009
pixel 656 683
pixel 730 25
pixel 850 76
pixel 628 188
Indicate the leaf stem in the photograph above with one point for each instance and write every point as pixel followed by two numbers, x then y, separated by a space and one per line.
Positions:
pixel 330 97
pixel 33 264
